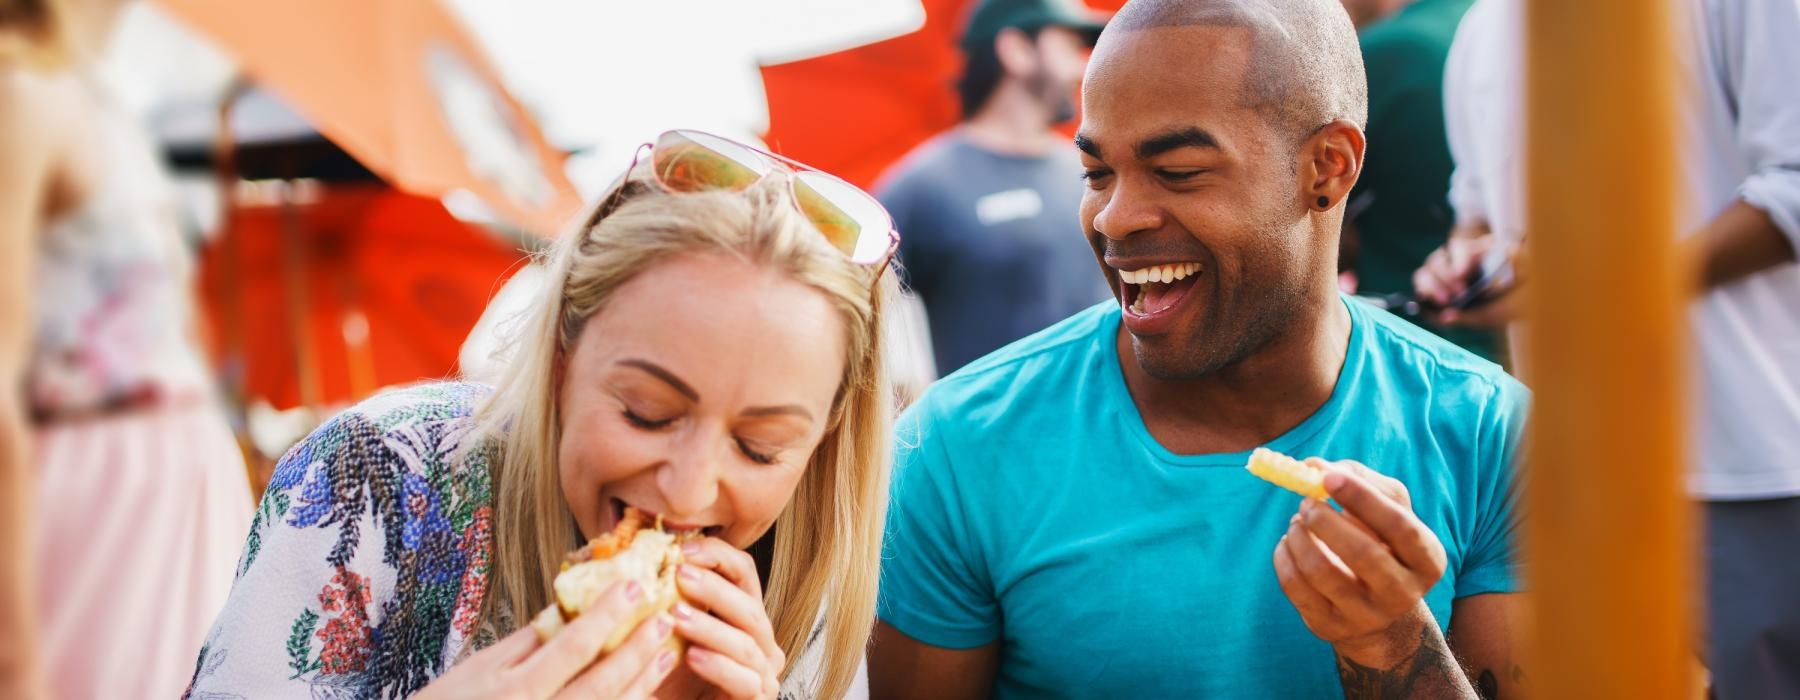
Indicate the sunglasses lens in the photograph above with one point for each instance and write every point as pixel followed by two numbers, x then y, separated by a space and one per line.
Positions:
pixel 850 219
pixel 690 161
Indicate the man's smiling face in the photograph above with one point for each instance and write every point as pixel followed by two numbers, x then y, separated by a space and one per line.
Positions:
pixel 1194 202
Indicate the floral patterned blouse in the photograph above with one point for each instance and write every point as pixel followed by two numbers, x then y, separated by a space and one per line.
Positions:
pixel 366 563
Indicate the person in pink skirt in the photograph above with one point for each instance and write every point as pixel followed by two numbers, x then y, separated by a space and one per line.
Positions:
pixel 125 494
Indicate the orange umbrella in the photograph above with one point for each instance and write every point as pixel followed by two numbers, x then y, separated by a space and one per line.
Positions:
pixel 351 289
pixel 855 112
pixel 402 87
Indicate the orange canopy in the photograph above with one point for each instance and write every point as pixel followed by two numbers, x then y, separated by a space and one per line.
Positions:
pixel 402 87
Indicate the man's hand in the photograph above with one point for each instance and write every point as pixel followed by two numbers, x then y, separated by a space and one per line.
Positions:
pixel 1447 273
pixel 1359 579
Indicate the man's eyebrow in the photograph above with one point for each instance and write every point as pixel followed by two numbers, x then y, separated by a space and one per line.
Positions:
pixel 1087 145
pixel 1190 137
pixel 666 376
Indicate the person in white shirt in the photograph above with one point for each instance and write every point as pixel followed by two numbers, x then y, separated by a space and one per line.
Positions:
pixel 1741 167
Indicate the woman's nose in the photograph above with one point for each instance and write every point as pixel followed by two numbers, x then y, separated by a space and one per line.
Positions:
pixel 689 480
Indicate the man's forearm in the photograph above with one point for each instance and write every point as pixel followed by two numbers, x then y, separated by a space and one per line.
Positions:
pixel 1421 668
pixel 1739 242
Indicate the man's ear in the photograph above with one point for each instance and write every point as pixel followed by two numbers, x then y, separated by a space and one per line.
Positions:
pixel 1017 52
pixel 1330 162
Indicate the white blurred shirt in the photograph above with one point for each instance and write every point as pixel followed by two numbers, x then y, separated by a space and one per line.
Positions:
pixel 1741 140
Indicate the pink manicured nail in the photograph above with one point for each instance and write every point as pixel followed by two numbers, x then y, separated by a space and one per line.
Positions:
pixel 684 611
pixel 1334 481
pixel 664 626
pixel 690 549
pixel 688 574
pixel 634 591
pixel 665 661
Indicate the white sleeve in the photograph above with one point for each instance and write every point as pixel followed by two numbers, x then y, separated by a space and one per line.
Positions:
pixel 1465 194
pixel 1761 55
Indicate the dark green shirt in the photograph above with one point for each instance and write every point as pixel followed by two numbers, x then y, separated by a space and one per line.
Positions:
pixel 1399 206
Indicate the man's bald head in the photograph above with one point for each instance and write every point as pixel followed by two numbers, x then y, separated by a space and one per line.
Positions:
pixel 1306 68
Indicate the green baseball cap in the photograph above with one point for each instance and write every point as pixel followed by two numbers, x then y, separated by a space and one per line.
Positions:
pixel 992 16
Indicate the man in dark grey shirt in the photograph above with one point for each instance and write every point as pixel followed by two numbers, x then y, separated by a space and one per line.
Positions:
pixel 989 237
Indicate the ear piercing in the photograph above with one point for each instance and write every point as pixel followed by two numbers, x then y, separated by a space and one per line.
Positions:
pixel 1324 202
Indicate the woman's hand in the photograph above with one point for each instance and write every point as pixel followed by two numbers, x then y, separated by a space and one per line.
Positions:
pixel 565 667
pixel 731 641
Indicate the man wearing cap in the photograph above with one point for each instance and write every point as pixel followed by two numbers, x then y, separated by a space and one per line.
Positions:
pixel 987 210
pixel 1071 516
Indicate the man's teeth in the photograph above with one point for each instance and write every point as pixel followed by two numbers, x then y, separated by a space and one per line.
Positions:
pixel 1159 273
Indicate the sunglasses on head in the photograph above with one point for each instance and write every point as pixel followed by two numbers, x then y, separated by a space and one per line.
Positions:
pixel 693 161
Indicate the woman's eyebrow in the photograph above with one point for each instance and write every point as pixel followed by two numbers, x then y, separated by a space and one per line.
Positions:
pixel 788 410
pixel 665 375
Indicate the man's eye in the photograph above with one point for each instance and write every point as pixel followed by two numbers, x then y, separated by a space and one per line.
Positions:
pixel 1092 174
pixel 1179 174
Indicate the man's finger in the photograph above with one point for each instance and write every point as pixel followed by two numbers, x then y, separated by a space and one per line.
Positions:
pixel 1311 604
pixel 1366 556
pixel 1413 543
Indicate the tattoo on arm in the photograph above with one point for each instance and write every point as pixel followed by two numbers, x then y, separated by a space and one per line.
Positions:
pixel 1430 671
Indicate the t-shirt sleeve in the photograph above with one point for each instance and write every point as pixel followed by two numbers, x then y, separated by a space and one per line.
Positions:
pixel 303 607
pixel 935 585
pixel 1491 563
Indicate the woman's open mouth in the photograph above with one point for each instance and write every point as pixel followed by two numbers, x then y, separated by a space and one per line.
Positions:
pixel 616 513
pixel 1153 290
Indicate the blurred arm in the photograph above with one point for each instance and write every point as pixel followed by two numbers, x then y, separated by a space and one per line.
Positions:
pixel 903 668
pixel 1754 42
pixel 24 182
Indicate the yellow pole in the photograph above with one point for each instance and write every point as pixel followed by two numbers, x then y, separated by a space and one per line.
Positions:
pixel 1609 533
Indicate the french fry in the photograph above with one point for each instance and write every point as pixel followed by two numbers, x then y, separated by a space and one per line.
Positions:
pixel 1288 473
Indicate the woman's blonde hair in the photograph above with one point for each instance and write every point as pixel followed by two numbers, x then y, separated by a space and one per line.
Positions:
pixel 827 541
pixel 36 32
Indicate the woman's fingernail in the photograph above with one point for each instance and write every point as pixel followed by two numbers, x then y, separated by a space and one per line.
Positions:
pixel 1334 481
pixel 684 611
pixel 664 626
pixel 665 661
pixel 690 549
pixel 634 591
pixel 688 574
pixel 697 656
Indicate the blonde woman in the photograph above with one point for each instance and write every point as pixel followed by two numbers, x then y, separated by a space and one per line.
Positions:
pixel 708 351
pixel 114 455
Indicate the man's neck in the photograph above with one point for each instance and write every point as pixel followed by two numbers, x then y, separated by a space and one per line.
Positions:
pixel 1252 401
pixel 1012 123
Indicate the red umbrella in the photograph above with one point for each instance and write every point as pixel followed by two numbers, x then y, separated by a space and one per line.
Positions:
pixel 855 112
pixel 357 288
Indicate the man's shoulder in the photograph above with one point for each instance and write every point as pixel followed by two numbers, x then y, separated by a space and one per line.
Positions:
pixel 1453 375
pixel 1000 385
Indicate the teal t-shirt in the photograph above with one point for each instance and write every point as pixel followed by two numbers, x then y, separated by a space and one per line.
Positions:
pixel 1032 507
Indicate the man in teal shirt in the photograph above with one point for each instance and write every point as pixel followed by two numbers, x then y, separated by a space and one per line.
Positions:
pixel 1399 211
pixel 1070 516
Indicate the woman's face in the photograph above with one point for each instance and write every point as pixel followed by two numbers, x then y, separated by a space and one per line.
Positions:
pixel 698 393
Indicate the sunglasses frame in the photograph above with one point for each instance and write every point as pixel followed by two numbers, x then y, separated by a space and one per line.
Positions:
pixel 794 167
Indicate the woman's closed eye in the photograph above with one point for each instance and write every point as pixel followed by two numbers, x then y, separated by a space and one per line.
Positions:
pixel 644 423
pixel 759 454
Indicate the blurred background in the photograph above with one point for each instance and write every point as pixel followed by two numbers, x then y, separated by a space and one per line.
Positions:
pixel 358 181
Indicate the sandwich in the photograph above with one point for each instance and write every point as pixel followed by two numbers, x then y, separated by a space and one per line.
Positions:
pixel 636 550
